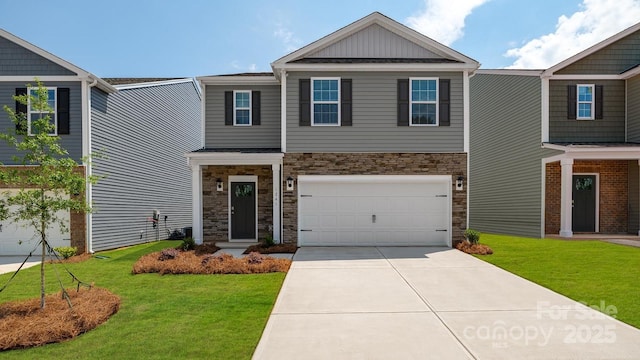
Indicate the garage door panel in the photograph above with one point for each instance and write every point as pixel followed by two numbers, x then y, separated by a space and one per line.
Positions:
pixel 374 213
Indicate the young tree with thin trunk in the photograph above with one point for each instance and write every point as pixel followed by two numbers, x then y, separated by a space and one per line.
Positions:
pixel 49 181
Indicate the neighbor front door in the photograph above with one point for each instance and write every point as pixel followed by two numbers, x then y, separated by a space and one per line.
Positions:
pixel 584 203
pixel 243 210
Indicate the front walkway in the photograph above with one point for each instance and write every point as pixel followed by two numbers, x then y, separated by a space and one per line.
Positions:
pixel 416 303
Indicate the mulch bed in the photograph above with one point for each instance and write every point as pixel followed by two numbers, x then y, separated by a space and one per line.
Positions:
pixel 172 261
pixel 475 249
pixel 23 324
pixel 204 249
pixel 72 260
pixel 273 249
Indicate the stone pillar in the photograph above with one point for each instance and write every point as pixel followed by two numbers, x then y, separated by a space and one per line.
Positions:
pixel 566 198
pixel 276 202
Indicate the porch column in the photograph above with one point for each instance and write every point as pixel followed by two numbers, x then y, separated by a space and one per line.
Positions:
pixel 196 194
pixel 276 202
pixel 566 198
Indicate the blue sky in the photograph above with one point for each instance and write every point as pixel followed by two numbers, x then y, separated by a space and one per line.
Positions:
pixel 161 38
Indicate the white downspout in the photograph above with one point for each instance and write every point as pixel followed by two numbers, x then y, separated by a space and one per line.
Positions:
pixel 86 113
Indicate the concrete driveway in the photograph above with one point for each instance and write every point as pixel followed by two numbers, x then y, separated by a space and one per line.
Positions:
pixel 429 303
pixel 12 263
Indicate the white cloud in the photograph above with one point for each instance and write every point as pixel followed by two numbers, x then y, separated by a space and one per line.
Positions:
pixel 289 40
pixel 237 66
pixel 443 20
pixel 596 21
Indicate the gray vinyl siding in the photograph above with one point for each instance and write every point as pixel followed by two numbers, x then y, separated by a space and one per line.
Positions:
pixel 634 197
pixel 72 142
pixel 375 113
pixel 611 128
pixel 505 178
pixel 633 109
pixel 265 135
pixel 374 42
pixel 613 59
pixel 16 60
pixel 143 135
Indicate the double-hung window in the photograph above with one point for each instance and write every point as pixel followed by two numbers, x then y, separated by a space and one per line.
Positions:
pixel 423 105
pixel 242 108
pixel 585 102
pixel 325 101
pixel 36 112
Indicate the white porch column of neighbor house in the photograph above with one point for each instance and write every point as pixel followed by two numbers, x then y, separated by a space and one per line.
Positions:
pixel 566 198
pixel 196 194
pixel 276 202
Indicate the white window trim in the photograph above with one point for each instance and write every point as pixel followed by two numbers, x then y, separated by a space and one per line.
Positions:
pixel 313 102
pixel 55 110
pixel 411 102
pixel 592 102
pixel 235 108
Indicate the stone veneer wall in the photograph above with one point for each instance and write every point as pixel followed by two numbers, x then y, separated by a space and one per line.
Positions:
pixel 215 204
pixel 77 226
pixel 614 191
pixel 295 164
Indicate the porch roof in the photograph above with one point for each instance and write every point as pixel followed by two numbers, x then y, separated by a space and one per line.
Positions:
pixel 595 151
pixel 235 156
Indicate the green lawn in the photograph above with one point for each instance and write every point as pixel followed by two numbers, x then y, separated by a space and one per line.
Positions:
pixel 161 317
pixel 592 272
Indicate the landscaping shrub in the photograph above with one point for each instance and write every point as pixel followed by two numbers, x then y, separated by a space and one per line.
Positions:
pixel 472 236
pixel 24 324
pixel 168 254
pixel 255 258
pixel 190 263
pixel 268 240
pixel 188 244
pixel 475 249
pixel 66 251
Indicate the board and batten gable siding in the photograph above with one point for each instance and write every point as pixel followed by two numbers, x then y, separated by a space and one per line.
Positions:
pixel 613 59
pixel 143 134
pixel 265 135
pixel 633 109
pixel 611 128
pixel 16 60
pixel 374 42
pixel 505 178
pixel 375 118
pixel 71 142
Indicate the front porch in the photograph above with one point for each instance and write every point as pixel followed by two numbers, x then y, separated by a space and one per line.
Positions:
pixel 592 190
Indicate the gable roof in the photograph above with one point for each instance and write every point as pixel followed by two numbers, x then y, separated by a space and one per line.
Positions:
pixel 101 84
pixel 593 49
pixel 448 55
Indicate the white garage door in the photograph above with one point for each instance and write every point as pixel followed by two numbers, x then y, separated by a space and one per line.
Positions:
pixel 374 210
pixel 20 240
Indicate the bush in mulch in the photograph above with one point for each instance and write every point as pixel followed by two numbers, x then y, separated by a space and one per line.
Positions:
pixel 187 262
pixel 23 324
pixel 263 248
pixel 71 260
pixel 475 249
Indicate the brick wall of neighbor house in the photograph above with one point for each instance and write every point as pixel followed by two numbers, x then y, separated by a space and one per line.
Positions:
pixel 613 194
pixel 215 204
pixel 295 164
pixel 77 226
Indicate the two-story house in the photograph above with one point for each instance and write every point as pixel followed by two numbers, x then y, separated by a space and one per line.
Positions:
pixel 359 138
pixel 140 128
pixel 556 151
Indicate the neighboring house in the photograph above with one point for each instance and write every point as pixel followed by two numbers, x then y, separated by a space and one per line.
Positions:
pixel 556 151
pixel 141 129
pixel 359 138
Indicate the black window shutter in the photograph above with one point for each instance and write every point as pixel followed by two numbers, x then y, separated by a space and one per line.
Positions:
pixel 63 111
pixel 599 101
pixel 444 102
pixel 571 101
pixel 255 107
pixel 346 109
pixel 403 102
pixel 21 127
pixel 305 102
pixel 228 107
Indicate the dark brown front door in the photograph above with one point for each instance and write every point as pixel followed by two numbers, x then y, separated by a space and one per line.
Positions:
pixel 243 210
pixel 584 203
